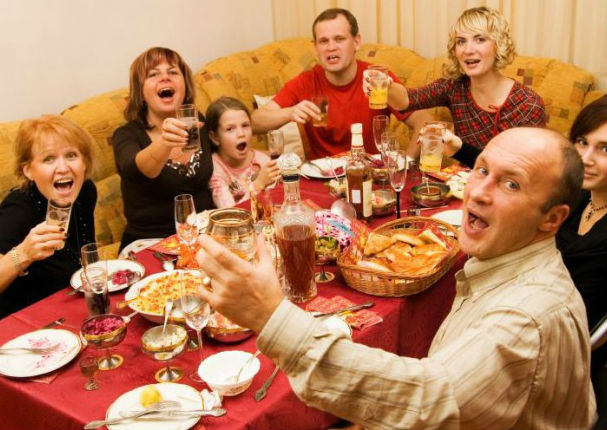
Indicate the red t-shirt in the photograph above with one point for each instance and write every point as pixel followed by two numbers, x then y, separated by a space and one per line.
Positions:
pixel 347 105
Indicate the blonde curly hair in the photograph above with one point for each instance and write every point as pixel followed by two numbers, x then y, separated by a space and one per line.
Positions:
pixel 488 22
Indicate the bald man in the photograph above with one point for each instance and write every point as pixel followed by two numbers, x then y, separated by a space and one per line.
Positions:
pixel 512 353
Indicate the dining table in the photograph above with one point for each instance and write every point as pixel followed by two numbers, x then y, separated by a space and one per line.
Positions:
pixel 58 400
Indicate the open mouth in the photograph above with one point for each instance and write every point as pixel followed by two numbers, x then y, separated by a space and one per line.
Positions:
pixel 63 185
pixel 471 62
pixel 475 222
pixel 332 58
pixel 241 146
pixel 164 93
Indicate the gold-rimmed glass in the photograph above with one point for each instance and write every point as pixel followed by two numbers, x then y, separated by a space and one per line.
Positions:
pixel 234 229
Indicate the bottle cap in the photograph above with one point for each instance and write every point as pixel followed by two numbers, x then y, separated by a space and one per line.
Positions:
pixel 356 128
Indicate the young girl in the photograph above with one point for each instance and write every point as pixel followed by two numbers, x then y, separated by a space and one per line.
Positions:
pixel 236 166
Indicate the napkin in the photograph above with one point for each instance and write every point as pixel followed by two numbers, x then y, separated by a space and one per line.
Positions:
pixel 358 319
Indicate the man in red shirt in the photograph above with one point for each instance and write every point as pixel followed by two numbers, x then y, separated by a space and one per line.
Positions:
pixel 338 76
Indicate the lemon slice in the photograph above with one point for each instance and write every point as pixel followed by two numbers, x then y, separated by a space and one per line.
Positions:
pixel 150 395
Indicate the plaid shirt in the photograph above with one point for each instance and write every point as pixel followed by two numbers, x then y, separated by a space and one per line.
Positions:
pixel 474 125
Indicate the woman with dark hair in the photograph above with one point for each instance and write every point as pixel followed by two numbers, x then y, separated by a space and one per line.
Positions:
pixel 149 149
pixel 53 157
pixel 583 237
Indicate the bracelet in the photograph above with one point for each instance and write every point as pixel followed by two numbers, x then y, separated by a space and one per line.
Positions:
pixel 17 261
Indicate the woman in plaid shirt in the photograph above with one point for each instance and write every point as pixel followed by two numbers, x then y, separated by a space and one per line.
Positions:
pixel 482 101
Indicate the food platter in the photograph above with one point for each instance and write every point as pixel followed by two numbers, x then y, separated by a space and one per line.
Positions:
pixel 64 344
pixel 117 274
pixel 148 296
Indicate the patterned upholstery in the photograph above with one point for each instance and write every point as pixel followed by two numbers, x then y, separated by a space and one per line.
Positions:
pixel 263 71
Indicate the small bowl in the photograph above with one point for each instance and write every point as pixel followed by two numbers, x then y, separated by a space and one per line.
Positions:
pixel 165 345
pixel 219 369
pixel 222 330
pixel 380 175
pixel 92 330
pixel 383 202
pixel 430 195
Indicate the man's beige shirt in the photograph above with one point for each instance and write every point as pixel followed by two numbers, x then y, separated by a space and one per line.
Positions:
pixel 512 353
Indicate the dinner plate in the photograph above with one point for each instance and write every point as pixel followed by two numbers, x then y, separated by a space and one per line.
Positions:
pixel 158 317
pixel 187 396
pixel 325 164
pixel 453 217
pixel 112 267
pixel 25 365
pixel 137 246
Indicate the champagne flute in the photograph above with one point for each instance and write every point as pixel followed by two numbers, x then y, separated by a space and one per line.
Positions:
pixel 397 170
pixel 276 146
pixel 380 126
pixel 186 221
pixel 196 312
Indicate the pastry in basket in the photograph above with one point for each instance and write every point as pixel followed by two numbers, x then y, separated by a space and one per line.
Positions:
pixel 396 251
pixel 376 243
pixel 408 238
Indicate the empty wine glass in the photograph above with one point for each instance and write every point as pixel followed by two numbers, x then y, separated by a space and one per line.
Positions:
pixel 89 366
pixel 380 126
pixel 186 221
pixel 397 170
pixel 196 312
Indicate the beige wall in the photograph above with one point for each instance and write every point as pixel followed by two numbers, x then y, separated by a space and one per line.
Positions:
pixel 59 52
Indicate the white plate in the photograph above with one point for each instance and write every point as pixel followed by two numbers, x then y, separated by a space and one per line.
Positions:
pixel 158 318
pixel 324 164
pixel 130 401
pixel 137 246
pixel 25 365
pixel 453 217
pixel 112 266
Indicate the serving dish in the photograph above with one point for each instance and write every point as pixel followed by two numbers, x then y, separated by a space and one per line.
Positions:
pixel 115 282
pixel 221 329
pixel 430 194
pixel 383 202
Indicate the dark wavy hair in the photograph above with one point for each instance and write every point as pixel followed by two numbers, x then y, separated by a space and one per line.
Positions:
pixel 590 118
pixel 217 108
pixel 136 108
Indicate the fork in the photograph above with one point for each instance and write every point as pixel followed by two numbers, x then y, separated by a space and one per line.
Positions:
pixel 154 407
pixel 26 350
pixel 261 393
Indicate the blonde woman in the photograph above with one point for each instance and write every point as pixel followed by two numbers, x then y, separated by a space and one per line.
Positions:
pixel 483 102
pixel 53 158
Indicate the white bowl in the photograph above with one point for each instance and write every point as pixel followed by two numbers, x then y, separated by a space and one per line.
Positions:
pixel 219 369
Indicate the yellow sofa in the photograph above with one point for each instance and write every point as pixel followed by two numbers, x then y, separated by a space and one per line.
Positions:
pixel 565 89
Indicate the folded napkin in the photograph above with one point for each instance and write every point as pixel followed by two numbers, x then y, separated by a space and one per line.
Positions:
pixel 357 319
pixel 168 245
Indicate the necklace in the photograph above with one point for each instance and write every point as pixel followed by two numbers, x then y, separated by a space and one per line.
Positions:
pixel 592 210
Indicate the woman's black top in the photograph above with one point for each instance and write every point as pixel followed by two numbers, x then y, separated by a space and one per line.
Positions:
pixel 585 257
pixel 148 203
pixel 22 210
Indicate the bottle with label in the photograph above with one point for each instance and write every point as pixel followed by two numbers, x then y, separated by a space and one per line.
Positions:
pixel 358 175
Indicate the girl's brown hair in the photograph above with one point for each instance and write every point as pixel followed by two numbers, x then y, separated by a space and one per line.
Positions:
pixel 217 108
pixel 136 108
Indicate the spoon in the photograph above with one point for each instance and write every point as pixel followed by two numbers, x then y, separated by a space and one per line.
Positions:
pixel 261 393
pixel 127 318
pixel 166 262
pixel 168 306
pixel 236 378
pixel 343 208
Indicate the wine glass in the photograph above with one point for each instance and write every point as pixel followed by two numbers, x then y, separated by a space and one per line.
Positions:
pixel 186 221
pixel 380 126
pixel 234 229
pixel 89 366
pixel 397 170
pixel 196 312
pixel 164 345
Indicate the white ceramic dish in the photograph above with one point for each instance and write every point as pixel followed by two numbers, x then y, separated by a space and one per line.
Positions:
pixel 112 266
pixel 324 164
pixel 453 217
pixel 218 369
pixel 130 402
pixel 137 246
pixel 158 318
pixel 24 365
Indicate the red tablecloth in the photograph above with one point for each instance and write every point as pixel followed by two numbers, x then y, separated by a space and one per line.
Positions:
pixel 408 327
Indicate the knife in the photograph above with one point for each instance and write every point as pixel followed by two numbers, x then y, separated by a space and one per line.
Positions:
pixel 346 309
pixel 52 324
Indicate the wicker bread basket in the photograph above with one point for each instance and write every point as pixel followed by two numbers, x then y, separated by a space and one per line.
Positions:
pixel 392 284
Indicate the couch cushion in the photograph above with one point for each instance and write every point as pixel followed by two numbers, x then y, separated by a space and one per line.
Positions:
pixel 8 180
pixel 109 213
pixel 100 116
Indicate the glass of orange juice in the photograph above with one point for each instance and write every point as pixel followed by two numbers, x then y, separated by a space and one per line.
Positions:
pixel 379 80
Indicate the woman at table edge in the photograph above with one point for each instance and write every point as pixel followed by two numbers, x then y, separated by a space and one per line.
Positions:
pixel 148 150
pixel 53 159
pixel 483 102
